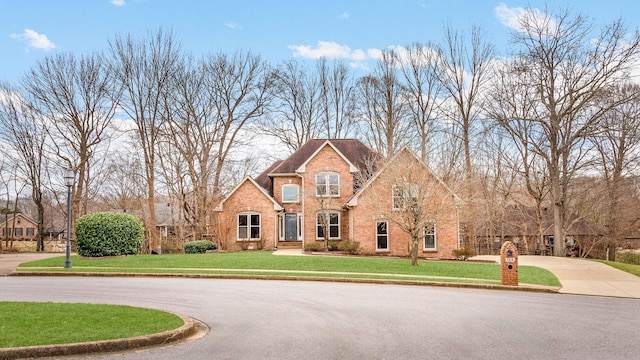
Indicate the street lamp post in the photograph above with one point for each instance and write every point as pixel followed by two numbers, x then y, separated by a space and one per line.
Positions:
pixel 69 179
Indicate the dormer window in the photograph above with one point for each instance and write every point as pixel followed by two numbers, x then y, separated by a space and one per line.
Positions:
pixel 328 184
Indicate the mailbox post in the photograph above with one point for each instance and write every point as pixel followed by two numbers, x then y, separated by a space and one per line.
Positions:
pixel 509 263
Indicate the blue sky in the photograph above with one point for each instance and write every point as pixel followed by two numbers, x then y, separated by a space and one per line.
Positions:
pixel 277 30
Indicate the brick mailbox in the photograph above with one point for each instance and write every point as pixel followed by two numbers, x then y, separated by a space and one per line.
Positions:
pixel 509 263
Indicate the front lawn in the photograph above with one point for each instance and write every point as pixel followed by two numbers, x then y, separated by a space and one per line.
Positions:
pixel 264 262
pixel 31 323
pixel 630 268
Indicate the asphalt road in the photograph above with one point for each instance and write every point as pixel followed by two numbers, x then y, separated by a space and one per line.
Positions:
pixel 315 320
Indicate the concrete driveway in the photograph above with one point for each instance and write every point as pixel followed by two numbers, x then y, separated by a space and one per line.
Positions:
pixel 9 262
pixel 583 277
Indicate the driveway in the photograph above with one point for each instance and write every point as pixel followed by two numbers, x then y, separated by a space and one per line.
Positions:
pixel 583 277
pixel 9 262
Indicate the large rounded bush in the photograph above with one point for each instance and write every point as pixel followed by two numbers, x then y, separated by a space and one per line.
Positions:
pixel 108 234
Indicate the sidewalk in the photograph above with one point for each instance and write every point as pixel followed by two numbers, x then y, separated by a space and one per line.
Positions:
pixel 582 277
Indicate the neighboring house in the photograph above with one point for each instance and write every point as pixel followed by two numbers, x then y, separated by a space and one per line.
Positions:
pixel 519 224
pixel 19 228
pixel 340 190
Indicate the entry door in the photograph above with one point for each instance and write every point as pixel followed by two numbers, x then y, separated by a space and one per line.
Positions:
pixel 291 227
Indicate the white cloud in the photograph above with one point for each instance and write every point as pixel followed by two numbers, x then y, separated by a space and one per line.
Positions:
pixel 512 17
pixel 509 17
pixel 332 50
pixel 344 15
pixel 232 25
pixel 35 40
pixel 118 2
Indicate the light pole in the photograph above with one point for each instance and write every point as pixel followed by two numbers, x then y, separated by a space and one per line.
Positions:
pixel 69 179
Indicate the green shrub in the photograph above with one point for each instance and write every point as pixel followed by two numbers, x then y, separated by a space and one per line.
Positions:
pixel 350 246
pixel 108 234
pixel 199 247
pixel 628 257
pixel 463 253
pixel 314 246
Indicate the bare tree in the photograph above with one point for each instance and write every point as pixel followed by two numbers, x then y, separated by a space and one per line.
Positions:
pixel 383 107
pixel 123 189
pixel 239 87
pixel 23 131
pixel 297 111
pixel 617 143
pixel 143 68
pixel 77 97
pixel 465 68
pixel 564 72
pixel 337 98
pixel 420 202
pixel 421 71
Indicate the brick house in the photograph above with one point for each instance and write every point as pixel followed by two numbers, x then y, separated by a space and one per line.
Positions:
pixel 341 190
pixel 19 227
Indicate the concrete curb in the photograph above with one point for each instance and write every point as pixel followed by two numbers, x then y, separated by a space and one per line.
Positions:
pixel 530 288
pixel 188 329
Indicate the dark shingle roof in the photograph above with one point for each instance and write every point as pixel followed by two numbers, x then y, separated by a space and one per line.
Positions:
pixel 354 150
pixel 359 154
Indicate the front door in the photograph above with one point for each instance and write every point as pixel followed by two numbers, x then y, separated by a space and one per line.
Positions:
pixel 290 227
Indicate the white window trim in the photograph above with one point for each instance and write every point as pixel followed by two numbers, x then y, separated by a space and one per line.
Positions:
pixel 378 234
pixel 327 184
pixel 435 238
pixel 297 193
pixel 248 214
pixel 328 226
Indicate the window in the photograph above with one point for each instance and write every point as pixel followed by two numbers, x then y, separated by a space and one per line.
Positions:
pixel 330 221
pixel 430 237
pixel 31 231
pixel 248 226
pixel 327 184
pixel 290 193
pixel 382 235
pixel 404 194
pixel 18 232
pixel 6 231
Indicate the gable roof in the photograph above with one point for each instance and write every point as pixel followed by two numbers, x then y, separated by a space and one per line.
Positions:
pixel 9 221
pixel 276 205
pixel 353 151
pixel 354 199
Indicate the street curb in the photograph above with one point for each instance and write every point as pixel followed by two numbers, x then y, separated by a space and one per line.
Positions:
pixel 188 329
pixel 528 288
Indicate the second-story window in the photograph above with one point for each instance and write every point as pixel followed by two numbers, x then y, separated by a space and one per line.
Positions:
pixel 290 193
pixel 327 184
pixel 404 196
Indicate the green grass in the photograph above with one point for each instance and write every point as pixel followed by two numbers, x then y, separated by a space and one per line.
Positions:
pixel 630 268
pixel 264 263
pixel 30 323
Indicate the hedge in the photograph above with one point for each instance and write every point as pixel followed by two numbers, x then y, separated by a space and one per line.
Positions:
pixel 199 247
